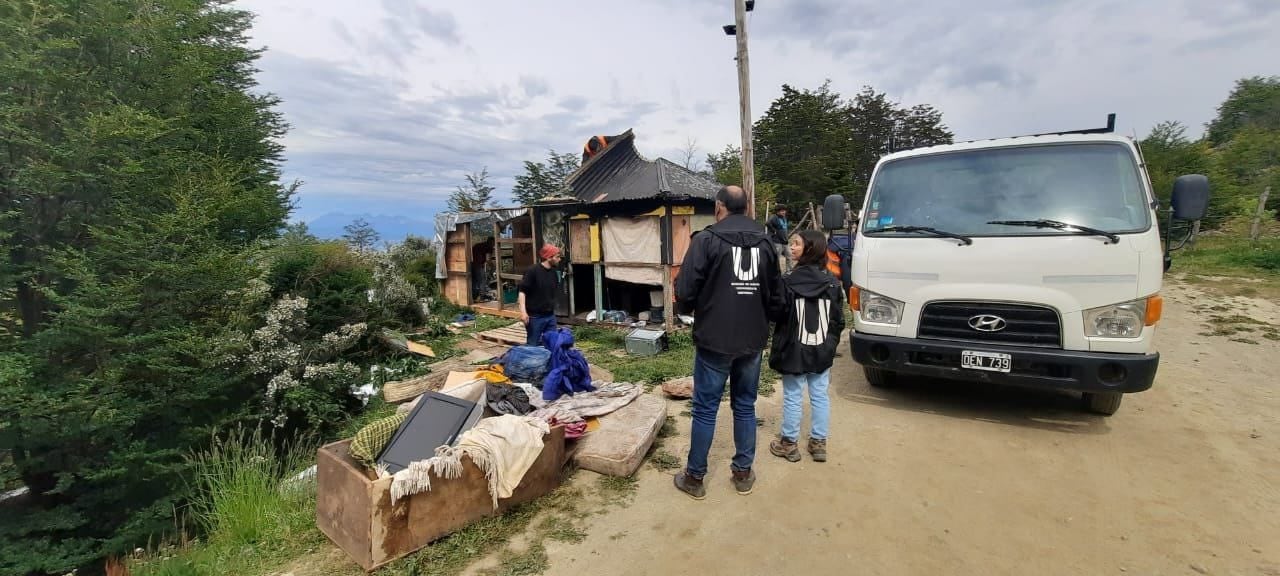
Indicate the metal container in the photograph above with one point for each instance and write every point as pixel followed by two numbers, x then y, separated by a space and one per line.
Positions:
pixel 644 342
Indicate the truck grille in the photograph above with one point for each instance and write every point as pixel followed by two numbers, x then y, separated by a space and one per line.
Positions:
pixel 1024 325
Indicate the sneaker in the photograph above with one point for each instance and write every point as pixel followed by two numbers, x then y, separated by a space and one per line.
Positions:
pixel 784 447
pixel 743 481
pixel 818 450
pixel 690 485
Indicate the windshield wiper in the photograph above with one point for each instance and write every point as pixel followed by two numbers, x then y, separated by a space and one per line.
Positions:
pixel 925 229
pixel 1056 225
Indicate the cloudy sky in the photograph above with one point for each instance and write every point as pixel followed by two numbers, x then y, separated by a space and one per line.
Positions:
pixel 393 101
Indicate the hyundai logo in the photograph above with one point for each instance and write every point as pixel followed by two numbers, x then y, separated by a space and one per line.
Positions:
pixel 987 323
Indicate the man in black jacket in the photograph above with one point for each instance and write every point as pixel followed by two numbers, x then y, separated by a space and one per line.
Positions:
pixel 730 281
pixel 778 227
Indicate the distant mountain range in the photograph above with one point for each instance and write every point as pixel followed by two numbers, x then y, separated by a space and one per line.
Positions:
pixel 390 228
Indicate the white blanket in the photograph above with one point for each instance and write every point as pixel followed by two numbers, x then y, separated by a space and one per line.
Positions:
pixel 503 447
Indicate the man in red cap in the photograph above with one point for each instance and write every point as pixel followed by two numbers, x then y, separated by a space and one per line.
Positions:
pixel 538 291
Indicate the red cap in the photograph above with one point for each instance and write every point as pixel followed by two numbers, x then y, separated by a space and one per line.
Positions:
pixel 548 252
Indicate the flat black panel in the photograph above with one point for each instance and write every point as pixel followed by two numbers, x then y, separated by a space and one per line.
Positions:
pixel 437 420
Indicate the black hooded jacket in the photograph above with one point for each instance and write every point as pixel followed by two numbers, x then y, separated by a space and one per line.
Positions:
pixel 805 337
pixel 730 281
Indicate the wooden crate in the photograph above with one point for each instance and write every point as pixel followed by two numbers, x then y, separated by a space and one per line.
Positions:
pixel 355 511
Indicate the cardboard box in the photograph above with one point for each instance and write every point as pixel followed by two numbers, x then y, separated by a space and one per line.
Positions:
pixel 354 509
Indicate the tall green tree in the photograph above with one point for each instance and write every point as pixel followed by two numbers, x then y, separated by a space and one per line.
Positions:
pixel 141 168
pixel 1253 103
pixel 726 165
pixel 1168 154
pixel 811 143
pixel 360 234
pixel 803 144
pixel 475 195
pixel 544 179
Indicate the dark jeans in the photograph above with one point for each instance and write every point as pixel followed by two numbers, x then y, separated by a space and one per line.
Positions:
pixel 710 370
pixel 538 325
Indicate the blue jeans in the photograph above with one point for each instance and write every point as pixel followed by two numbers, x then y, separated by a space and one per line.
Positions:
pixel 793 386
pixel 537 326
pixel 710 370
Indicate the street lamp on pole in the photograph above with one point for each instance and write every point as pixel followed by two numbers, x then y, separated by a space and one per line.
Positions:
pixel 739 30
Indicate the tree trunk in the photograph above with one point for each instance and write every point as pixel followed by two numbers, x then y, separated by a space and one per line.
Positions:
pixel 1256 229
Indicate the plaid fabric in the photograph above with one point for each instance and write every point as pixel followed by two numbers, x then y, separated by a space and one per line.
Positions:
pixel 371 439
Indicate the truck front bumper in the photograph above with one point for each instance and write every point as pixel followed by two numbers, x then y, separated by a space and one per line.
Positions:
pixel 1031 367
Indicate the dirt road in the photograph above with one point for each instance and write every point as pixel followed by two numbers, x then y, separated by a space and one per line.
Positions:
pixel 945 478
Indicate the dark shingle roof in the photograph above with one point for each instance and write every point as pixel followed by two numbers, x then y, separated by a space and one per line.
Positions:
pixel 620 173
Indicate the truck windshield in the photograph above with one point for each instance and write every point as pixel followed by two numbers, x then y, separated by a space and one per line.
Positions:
pixel 1088 185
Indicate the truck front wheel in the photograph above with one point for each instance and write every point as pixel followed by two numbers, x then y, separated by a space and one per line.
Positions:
pixel 1105 403
pixel 879 377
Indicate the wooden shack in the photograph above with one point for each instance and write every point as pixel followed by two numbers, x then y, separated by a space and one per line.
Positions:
pixel 624 226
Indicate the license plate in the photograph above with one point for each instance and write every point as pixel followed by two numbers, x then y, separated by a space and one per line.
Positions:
pixel 989 361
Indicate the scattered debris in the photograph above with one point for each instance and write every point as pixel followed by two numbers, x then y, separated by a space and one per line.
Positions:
pixel 18 493
pixel 679 388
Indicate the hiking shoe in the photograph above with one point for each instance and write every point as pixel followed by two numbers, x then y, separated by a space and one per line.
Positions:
pixel 818 450
pixel 784 447
pixel 743 481
pixel 690 485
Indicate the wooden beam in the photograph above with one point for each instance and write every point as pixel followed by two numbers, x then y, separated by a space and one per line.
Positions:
pixel 667 320
pixel 599 282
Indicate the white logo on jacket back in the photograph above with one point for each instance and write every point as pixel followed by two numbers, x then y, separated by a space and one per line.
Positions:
pixel 749 273
pixel 808 337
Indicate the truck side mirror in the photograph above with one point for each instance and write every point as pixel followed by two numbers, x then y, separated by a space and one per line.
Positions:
pixel 833 213
pixel 1190 197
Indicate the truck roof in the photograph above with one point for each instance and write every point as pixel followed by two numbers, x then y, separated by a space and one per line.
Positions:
pixel 1009 142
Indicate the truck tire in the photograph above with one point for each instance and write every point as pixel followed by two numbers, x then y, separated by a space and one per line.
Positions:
pixel 879 377
pixel 1104 403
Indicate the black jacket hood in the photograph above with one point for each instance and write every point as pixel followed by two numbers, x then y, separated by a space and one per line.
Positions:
pixel 738 230
pixel 810 281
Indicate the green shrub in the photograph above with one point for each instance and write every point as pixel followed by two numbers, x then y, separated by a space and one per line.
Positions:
pixel 237 494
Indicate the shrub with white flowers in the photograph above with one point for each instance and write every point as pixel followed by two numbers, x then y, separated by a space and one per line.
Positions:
pixel 309 380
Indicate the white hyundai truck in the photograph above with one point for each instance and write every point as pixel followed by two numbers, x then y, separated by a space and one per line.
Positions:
pixel 1033 261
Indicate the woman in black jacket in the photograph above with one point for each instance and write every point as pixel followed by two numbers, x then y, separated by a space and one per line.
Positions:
pixel 805 339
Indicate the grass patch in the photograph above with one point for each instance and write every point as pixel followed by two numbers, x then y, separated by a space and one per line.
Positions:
pixel 668 428
pixel 1222 262
pixel 254 520
pixel 618 490
pixel 599 344
pixel 664 461
pixel 1239 325
pixel 531 561
pixel 563 529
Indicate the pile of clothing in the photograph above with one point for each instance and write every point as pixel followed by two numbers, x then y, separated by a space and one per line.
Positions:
pixel 530 389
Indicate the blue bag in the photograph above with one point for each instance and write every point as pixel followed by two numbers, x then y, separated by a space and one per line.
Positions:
pixel 526 364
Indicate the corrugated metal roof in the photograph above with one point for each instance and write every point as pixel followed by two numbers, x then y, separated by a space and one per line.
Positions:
pixel 620 173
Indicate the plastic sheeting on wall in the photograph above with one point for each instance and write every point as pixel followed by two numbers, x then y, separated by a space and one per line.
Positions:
pixel 448 222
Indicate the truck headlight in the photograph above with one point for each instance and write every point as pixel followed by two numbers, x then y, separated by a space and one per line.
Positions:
pixel 1124 320
pixel 878 309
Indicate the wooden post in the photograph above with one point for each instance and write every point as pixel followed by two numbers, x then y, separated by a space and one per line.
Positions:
pixel 744 106
pixel 497 263
pixel 1256 229
pixel 599 282
pixel 667 321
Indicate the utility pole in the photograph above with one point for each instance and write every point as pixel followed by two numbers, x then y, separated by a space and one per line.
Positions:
pixel 744 106
pixel 1255 230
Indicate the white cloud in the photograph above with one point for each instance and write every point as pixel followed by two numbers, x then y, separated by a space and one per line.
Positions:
pixel 390 102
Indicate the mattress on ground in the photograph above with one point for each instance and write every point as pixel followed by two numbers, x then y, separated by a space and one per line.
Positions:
pixel 618 447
